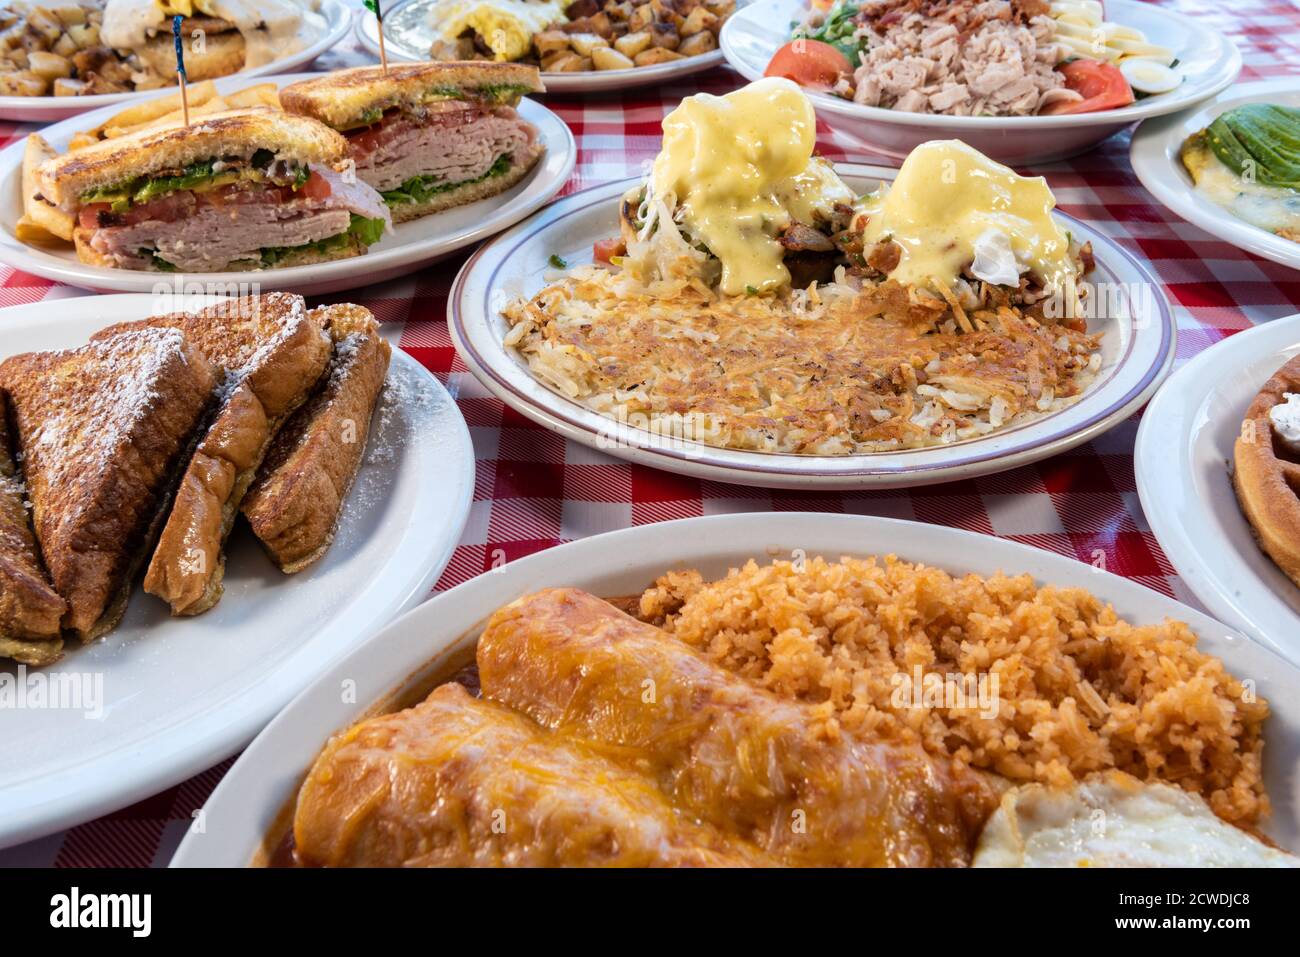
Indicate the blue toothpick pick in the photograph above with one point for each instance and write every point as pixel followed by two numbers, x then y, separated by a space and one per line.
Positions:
pixel 180 67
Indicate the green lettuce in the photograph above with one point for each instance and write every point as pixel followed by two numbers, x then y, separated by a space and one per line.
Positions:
pixel 419 189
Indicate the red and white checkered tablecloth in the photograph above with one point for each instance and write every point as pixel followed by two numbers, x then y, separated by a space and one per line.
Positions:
pixel 536 490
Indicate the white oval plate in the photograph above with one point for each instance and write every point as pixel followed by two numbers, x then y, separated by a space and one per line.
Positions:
pixel 412 47
pixel 1184 447
pixel 181 694
pixel 410 246
pixel 1208 60
pixel 31 109
pixel 1136 355
pixel 242 810
pixel 1154 155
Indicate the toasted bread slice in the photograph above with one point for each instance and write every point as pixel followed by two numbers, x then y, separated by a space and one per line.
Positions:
pixel 235 134
pixel 30 610
pixel 271 355
pixel 470 192
pixel 298 496
pixel 346 99
pixel 102 431
pixel 1266 475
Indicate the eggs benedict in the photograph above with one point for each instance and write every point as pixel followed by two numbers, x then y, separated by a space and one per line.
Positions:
pixel 736 192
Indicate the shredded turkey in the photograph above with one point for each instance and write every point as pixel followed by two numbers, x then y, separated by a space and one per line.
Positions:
pixel 987 58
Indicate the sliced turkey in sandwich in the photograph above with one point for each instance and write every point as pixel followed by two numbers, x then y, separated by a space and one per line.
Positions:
pixel 428 136
pixel 245 189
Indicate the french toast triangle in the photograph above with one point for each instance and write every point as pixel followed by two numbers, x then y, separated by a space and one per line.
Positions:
pixel 30 610
pixel 297 499
pixel 101 432
pixel 270 354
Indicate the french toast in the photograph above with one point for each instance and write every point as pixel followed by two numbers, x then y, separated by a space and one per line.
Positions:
pixel 102 431
pixel 30 610
pixel 297 499
pixel 1266 473
pixel 270 354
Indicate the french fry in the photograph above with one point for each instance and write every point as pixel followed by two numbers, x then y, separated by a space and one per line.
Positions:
pixel 264 94
pixel 35 234
pixel 174 118
pixel 40 223
pixel 146 113
pixel 80 141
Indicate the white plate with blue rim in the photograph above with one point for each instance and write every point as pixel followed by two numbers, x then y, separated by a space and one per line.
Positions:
pixel 409 33
pixel 160 699
pixel 1137 350
pixel 408 247
pixel 1181 462
pixel 336 20
pixel 244 819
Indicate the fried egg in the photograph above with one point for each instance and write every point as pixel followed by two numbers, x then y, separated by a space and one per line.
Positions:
pixel 1115 820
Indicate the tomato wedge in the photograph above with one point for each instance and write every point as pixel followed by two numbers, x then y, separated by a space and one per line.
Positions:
pixel 316 188
pixel 809 63
pixel 603 250
pixel 1101 85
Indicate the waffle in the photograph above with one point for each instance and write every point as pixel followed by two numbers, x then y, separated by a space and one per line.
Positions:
pixel 1266 475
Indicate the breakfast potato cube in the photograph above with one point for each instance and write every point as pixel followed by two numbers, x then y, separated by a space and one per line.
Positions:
pixel 656 55
pixel 584 43
pixel 548 62
pixel 71 15
pixel 702 42
pixel 665 35
pixel 633 43
pixel 641 18
pixel 23 83
pixel 65 86
pixel 606 59
pixel 84 35
pixel 65 46
pixel 550 41
pixel 48 66
pixel 698 20
pixel 567 62
pixel 45 24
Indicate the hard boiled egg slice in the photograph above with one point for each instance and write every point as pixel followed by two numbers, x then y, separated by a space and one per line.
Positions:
pixel 1149 76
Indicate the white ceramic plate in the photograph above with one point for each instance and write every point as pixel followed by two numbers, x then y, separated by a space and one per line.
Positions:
pixel 179 695
pixel 1155 160
pixel 32 109
pixel 1136 355
pixel 410 246
pixel 243 808
pixel 1208 62
pixel 1184 447
pixel 415 41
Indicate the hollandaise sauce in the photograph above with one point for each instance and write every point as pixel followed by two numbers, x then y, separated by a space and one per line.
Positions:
pixel 950 201
pixel 738 169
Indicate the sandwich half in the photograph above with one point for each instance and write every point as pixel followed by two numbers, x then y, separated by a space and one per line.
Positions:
pixel 244 189
pixel 428 136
